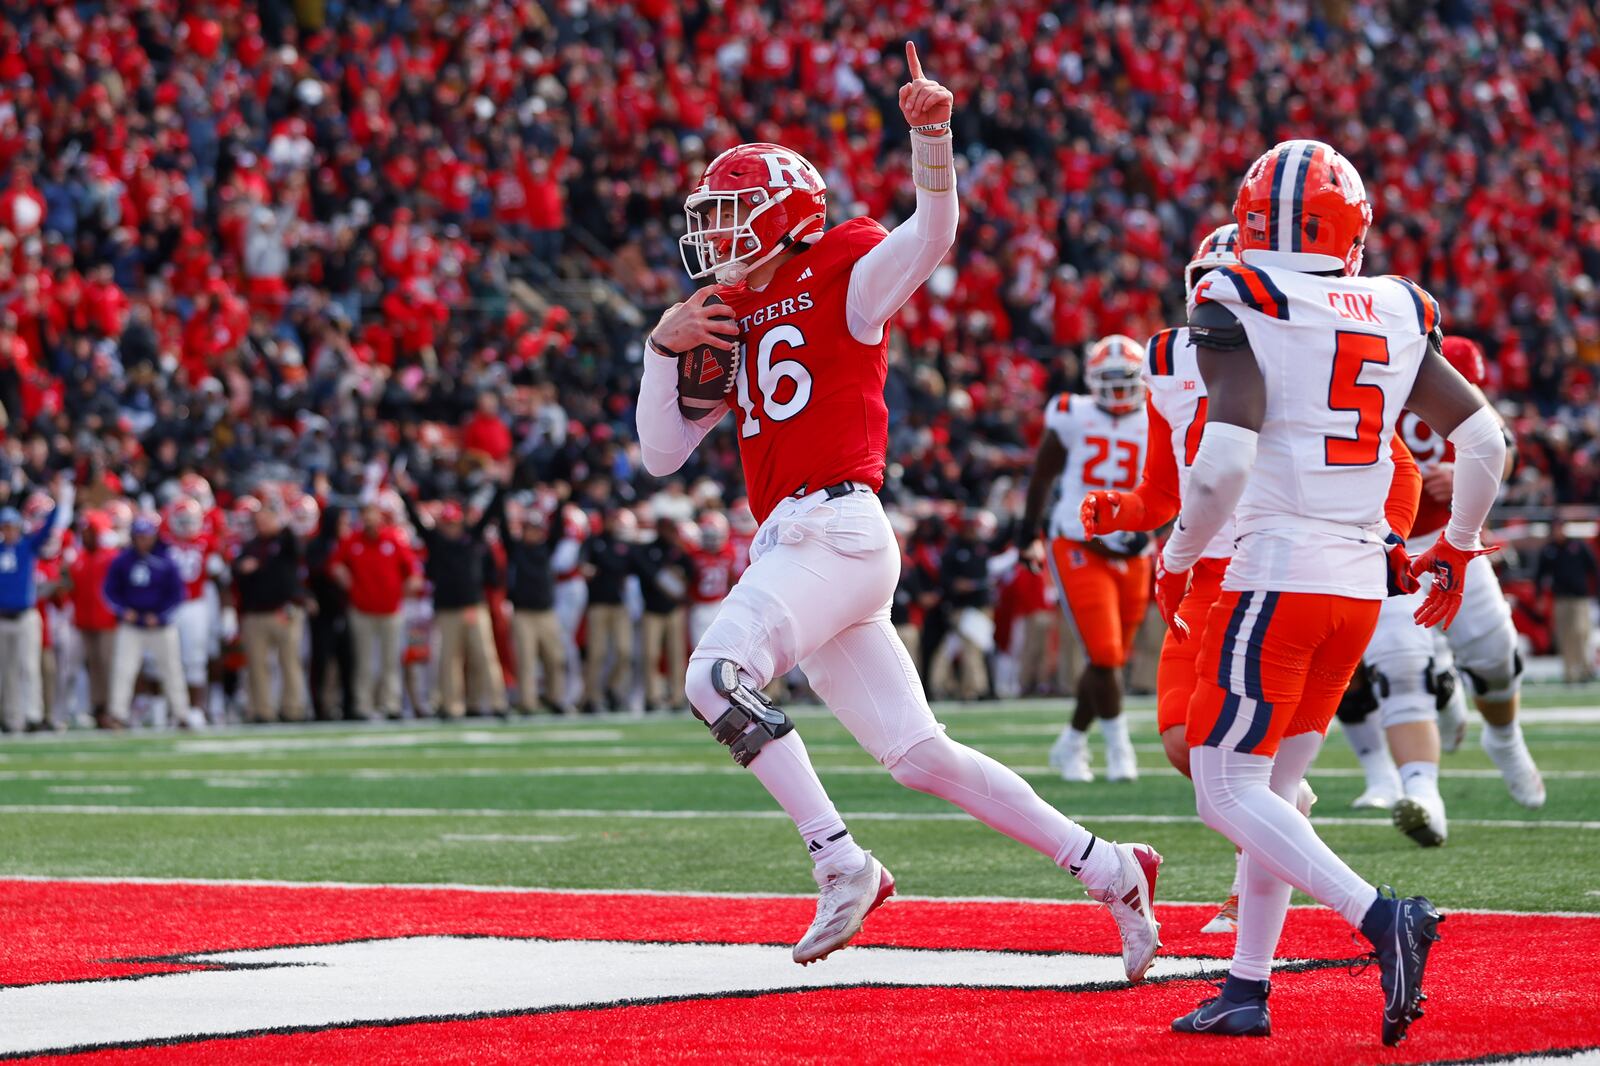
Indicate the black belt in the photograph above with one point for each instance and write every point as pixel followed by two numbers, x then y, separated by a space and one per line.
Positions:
pixel 843 488
pixel 12 616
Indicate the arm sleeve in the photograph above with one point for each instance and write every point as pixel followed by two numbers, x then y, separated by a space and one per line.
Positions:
pixel 1405 491
pixel 1158 490
pixel 1480 457
pixel 884 279
pixel 1216 481
pixel 666 438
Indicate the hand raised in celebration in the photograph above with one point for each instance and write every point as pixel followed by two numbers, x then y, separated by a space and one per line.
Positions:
pixel 923 101
pixel 688 325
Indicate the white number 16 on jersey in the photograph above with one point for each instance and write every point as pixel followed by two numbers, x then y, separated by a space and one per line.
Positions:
pixel 769 375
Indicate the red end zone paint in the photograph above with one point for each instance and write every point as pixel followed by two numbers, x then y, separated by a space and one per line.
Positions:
pixel 1497 985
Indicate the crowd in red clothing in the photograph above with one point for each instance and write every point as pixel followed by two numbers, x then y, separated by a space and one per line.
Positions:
pixel 273 239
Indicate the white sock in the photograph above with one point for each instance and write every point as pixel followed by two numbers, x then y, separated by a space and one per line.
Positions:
pixel 1115 730
pixel 1420 778
pixel 1234 797
pixel 1263 897
pixel 784 769
pixel 1503 736
pixel 994 795
pixel 1238 873
pixel 1366 740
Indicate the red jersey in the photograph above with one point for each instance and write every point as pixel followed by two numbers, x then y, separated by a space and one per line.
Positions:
pixel 88 573
pixel 809 397
pixel 714 574
pixel 194 560
pixel 1429 449
pixel 741 551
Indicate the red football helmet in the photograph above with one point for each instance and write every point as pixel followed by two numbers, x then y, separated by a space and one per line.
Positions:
pixel 198 489
pixel 185 517
pixel 1220 248
pixel 713 531
pixel 1113 374
pixel 1464 354
pixel 1303 206
pixel 752 202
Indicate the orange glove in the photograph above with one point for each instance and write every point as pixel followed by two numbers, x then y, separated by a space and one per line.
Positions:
pixel 1171 588
pixel 1109 512
pixel 1448 565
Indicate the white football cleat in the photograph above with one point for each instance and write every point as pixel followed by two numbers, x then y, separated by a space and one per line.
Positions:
pixel 1121 764
pixel 1305 798
pixel 1131 897
pixel 1374 799
pixel 1070 756
pixel 1516 767
pixel 844 903
pixel 1422 819
pixel 1226 920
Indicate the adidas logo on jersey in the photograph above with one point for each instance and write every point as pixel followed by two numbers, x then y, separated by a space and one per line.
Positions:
pixel 804 274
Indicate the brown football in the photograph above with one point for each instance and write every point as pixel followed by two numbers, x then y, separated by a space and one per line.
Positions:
pixel 705 376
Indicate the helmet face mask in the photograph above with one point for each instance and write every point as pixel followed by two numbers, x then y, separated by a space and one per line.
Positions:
pixel 721 234
pixel 1219 249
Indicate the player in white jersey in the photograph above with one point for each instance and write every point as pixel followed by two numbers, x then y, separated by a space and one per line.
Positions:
pixel 194 552
pixel 1412 671
pixel 1094 442
pixel 1307 367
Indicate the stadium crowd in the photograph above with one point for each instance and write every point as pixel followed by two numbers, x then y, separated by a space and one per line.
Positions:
pixel 337 260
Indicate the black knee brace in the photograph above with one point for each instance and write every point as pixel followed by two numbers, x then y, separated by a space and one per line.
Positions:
pixel 746 708
pixel 1442 683
pixel 1359 698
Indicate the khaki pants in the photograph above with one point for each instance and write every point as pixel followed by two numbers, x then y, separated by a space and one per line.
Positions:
pixel 270 635
pixel 466 649
pixel 610 634
pixel 98 645
pixel 538 638
pixel 21 702
pixel 1034 667
pixel 160 643
pixel 665 636
pixel 1573 626
pixel 377 639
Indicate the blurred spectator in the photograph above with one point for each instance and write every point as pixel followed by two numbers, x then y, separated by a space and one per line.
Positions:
pixel 96 622
pixel 964 574
pixel 664 579
pixel 609 559
pixel 375 565
pixel 1568 573
pixel 714 567
pixel 143 588
pixel 21 701
pixel 332 647
pixel 266 573
pixel 457 571
pixel 530 586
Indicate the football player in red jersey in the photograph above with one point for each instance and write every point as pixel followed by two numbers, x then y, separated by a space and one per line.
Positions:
pixel 194 551
pixel 810 309
pixel 715 566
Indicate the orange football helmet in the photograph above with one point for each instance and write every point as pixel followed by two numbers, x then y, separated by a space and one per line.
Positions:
pixel 1113 374
pixel 753 201
pixel 1302 206
pixel 1220 248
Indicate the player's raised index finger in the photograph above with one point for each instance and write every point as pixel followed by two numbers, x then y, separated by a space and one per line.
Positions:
pixel 912 62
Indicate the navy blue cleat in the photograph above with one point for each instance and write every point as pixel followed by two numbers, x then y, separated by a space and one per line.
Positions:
pixel 1402 932
pixel 1241 1010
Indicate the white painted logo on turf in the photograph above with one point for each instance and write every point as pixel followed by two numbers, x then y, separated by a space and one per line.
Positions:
pixel 338 985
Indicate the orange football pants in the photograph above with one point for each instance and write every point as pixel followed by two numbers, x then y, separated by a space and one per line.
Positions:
pixel 1275 664
pixel 1175 672
pixel 1106 597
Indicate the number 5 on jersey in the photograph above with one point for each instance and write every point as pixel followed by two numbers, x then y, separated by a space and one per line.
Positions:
pixel 770 378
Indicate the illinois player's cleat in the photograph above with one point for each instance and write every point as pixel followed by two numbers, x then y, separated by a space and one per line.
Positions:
pixel 1069 756
pixel 1402 932
pixel 1516 767
pixel 1452 724
pixel 1374 799
pixel 844 903
pixel 1422 819
pixel 1226 920
pixel 1121 764
pixel 1131 897
pixel 1241 1010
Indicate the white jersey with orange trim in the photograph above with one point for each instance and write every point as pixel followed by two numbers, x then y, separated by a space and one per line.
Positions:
pixel 1339 356
pixel 1178 395
pixel 1104 451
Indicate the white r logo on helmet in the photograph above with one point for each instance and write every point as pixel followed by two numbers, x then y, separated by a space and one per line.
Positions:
pixel 789 171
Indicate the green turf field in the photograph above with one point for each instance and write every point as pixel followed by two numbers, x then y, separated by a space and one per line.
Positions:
pixel 624 803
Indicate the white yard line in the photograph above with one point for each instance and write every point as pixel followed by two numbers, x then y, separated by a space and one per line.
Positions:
pixel 427 886
pixel 677 815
